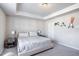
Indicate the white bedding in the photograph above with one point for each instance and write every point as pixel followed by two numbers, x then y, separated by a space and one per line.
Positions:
pixel 29 43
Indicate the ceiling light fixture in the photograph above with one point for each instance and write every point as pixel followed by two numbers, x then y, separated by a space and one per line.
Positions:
pixel 44 4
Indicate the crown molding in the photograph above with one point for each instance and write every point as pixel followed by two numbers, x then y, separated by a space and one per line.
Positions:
pixel 21 13
pixel 12 9
pixel 65 10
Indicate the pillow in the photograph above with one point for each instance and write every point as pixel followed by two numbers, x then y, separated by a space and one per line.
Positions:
pixel 32 34
pixel 23 34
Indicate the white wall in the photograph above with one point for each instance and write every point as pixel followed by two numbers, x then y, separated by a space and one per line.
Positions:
pixel 25 24
pixel 63 35
pixel 2 30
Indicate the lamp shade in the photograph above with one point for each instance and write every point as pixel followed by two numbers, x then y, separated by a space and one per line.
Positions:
pixel 39 31
pixel 13 32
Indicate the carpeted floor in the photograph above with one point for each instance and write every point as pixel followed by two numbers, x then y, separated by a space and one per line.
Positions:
pixel 58 50
pixel 10 50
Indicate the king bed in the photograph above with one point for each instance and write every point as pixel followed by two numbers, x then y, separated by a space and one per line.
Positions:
pixel 32 44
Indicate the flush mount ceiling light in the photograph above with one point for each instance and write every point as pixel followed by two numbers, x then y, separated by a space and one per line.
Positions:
pixel 45 6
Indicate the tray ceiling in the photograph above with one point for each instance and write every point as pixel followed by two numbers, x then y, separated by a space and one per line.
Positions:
pixel 36 10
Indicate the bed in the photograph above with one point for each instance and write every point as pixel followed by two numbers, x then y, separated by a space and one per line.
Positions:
pixel 29 45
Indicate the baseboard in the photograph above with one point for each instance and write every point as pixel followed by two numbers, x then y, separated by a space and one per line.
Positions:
pixel 68 46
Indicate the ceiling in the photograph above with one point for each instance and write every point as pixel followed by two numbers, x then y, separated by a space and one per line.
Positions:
pixel 8 8
pixel 35 10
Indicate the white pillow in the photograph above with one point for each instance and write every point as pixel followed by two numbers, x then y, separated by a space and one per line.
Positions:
pixel 23 34
pixel 32 34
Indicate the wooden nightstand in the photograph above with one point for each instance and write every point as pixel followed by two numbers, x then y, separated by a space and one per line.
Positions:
pixel 10 42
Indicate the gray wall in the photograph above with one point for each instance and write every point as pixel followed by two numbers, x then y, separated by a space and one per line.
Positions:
pixel 24 24
pixel 63 35
pixel 2 30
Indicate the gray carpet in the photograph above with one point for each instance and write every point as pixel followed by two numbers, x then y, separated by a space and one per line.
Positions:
pixel 10 50
pixel 58 50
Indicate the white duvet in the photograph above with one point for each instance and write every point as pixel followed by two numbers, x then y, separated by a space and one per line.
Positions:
pixel 29 43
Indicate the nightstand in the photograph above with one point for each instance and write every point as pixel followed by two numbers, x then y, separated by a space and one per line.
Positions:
pixel 10 42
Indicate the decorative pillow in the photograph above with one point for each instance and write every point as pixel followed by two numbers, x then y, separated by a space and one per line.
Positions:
pixel 23 34
pixel 32 34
